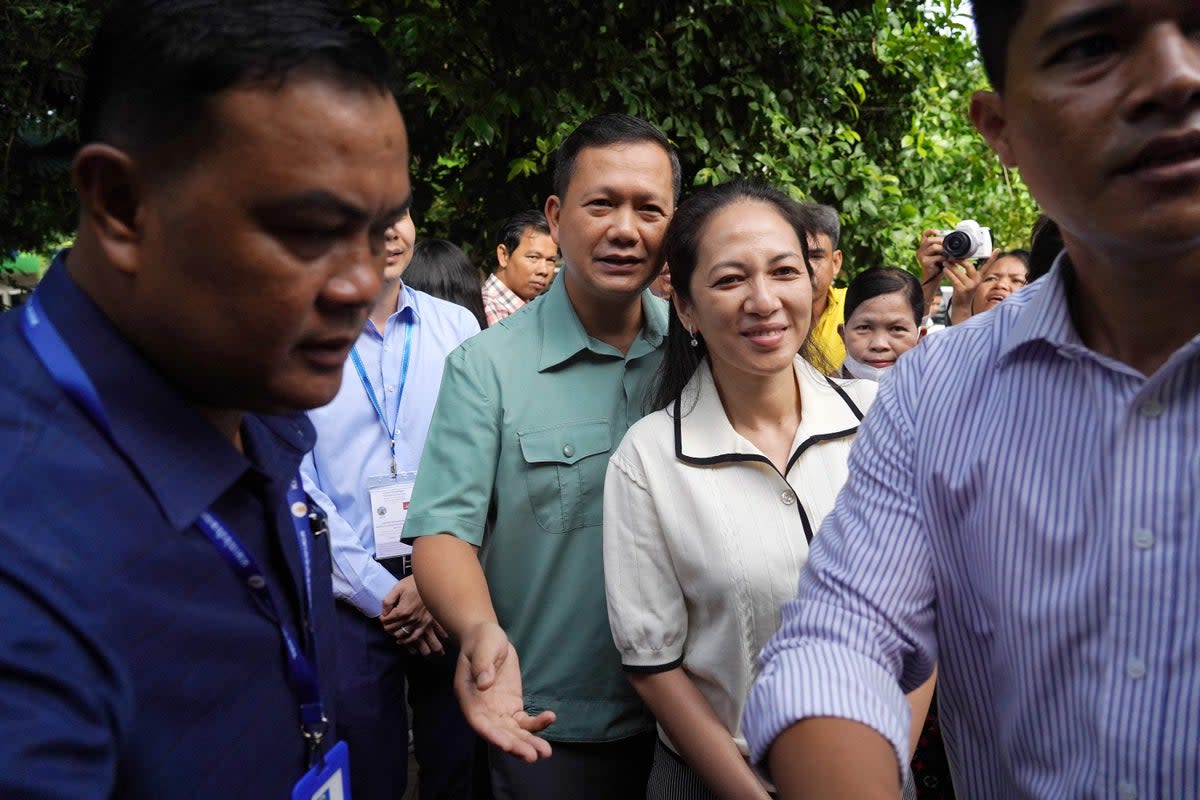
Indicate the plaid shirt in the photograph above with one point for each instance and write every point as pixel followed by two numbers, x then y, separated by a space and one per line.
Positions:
pixel 498 300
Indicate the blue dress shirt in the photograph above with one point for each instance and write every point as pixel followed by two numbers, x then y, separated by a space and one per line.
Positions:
pixel 1031 523
pixel 133 663
pixel 352 445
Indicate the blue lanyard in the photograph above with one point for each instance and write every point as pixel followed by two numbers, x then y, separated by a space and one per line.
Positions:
pixel 390 431
pixel 66 370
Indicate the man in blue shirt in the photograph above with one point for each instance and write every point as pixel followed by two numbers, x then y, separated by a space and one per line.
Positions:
pixel 166 632
pixel 1044 550
pixel 368 448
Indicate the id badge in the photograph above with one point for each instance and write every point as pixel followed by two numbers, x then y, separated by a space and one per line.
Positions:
pixel 389 508
pixel 329 779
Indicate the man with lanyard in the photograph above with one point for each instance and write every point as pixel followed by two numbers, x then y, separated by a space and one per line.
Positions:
pixel 369 442
pixel 508 502
pixel 166 622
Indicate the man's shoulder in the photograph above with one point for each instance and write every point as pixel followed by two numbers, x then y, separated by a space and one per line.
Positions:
pixel 444 312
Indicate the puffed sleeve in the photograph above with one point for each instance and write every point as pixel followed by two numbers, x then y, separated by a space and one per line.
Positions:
pixel 646 608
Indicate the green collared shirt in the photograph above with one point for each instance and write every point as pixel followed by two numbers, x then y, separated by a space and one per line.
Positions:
pixel 528 414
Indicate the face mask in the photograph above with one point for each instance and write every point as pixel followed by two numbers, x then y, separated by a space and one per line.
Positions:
pixel 864 371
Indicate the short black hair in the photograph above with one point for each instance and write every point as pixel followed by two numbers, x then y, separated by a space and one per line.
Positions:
pixel 515 226
pixel 607 130
pixel 994 24
pixel 155 64
pixel 824 219
pixel 681 244
pixel 878 281
pixel 1045 245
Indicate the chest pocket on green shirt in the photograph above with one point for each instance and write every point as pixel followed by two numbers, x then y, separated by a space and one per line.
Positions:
pixel 564 473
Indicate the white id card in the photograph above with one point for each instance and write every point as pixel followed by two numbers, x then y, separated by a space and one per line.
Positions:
pixel 389 508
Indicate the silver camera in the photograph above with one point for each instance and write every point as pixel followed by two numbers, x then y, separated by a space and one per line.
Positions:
pixel 968 240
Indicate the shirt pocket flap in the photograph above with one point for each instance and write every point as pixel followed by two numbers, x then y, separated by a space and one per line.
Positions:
pixel 565 444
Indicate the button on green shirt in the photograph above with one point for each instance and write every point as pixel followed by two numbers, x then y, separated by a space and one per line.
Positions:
pixel 528 413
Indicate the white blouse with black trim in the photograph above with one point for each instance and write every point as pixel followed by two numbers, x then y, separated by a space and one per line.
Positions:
pixel 704 539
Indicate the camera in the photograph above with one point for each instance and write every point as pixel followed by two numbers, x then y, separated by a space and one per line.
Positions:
pixel 968 240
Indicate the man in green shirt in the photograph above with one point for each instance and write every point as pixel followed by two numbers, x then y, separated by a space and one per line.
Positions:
pixel 506 512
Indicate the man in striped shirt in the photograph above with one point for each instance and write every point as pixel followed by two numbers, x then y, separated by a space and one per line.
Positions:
pixel 1043 549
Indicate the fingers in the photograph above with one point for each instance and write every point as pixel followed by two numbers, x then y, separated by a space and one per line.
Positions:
pixel 515 734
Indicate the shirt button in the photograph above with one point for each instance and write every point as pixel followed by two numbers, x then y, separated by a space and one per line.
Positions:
pixel 788 497
pixel 1135 668
pixel 1143 539
pixel 255 582
pixel 389 389
pixel 387 348
pixel 1151 409
pixel 1126 791
pixel 568 450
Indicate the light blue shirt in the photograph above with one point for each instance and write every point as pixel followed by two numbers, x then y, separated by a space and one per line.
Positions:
pixel 1032 524
pixel 351 443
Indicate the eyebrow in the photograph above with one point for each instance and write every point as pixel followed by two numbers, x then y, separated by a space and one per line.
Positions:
pixel 1073 23
pixel 731 263
pixel 322 201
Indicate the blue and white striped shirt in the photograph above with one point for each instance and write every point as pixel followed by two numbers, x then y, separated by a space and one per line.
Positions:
pixel 1031 524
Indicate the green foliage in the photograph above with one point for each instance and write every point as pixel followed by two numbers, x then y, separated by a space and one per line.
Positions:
pixel 41 77
pixel 864 108
pixel 858 103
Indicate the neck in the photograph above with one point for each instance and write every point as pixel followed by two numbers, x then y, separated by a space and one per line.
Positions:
pixel 820 302
pixel 386 305
pixel 227 421
pixel 1136 313
pixel 615 322
pixel 758 402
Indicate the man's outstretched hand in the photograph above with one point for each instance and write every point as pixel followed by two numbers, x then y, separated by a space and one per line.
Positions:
pixel 488 684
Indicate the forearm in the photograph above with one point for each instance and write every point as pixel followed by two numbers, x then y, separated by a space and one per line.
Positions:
pixel 828 758
pixel 452 584
pixel 703 741
pixel 918 700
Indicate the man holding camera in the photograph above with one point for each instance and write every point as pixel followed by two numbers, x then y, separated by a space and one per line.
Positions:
pixel 969 242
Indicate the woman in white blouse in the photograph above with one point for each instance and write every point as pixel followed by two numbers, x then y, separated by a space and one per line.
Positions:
pixel 710 502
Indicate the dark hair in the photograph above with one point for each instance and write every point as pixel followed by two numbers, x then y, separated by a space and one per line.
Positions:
pixel 878 281
pixel 442 269
pixel 824 219
pixel 1020 254
pixel 515 226
pixel 156 64
pixel 607 130
pixel 681 245
pixel 1045 245
pixel 994 24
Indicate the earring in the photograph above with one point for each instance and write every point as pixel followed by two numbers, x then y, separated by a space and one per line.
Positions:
pixel 693 343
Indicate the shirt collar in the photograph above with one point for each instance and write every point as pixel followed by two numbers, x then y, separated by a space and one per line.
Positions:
pixel 563 335
pixel 494 284
pixel 704 435
pixel 185 463
pixel 1045 316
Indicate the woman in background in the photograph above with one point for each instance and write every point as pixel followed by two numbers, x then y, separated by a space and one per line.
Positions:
pixel 883 321
pixel 442 269
pixel 710 502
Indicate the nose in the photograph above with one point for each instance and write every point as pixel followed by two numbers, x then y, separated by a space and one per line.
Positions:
pixel 622 225
pixel 1165 71
pixel 761 299
pixel 356 280
pixel 879 342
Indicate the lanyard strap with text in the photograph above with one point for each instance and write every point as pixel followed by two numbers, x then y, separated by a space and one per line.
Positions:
pixel 69 374
pixel 375 400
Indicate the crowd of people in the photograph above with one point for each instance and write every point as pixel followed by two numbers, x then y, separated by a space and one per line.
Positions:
pixel 656 509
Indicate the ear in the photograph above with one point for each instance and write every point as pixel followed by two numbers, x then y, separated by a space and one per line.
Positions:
pixel 110 201
pixel 841 331
pixel 553 208
pixel 836 258
pixel 501 257
pixel 683 310
pixel 988 117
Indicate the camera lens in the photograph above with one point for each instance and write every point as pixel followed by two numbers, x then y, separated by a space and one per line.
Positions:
pixel 957 244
